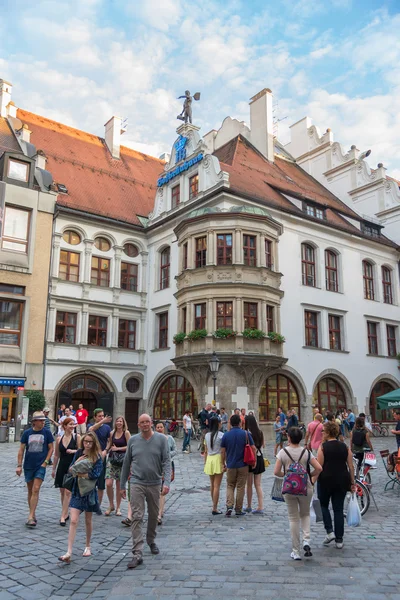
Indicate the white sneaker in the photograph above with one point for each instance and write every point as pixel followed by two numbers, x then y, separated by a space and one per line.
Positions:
pixel 339 545
pixel 329 538
pixel 185 451
pixel 295 556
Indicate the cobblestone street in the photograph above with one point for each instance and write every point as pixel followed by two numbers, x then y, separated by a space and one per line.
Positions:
pixel 201 555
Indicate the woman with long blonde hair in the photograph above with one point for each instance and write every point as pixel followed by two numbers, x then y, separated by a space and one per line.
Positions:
pixel 116 449
pixel 89 503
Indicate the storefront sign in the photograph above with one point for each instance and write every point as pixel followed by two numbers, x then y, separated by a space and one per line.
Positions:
pixel 25 410
pixel 12 382
pixel 175 172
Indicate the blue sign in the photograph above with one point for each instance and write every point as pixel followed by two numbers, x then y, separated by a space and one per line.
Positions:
pixel 186 165
pixel 180 148
pixel 17 382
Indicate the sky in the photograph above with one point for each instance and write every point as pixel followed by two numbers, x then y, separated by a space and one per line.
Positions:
pixel 81 61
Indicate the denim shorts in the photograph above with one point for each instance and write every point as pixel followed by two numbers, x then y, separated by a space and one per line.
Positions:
pixel 31 474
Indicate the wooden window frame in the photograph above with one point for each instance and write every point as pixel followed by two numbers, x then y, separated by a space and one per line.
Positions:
pixel 22 242
pixel 250 320
pixel 225 257
pixel 201 252
pixel 391 341
pixel 222 320
pixel 268 254
pixel 99 330
pixel 268 409
pixel 193 186
pixel 328 393
pixel 131 250
pixel 102 239
pixel 331 271
pixel 335 332
pixel 368 278
pixel 311 328
pixel 129 279
pixel 124 334
pixel 99 270
pixel 387 285
pixel 64 324
pixel 165 268
pixel 175 196
pixel 372 330
pixel 14 331
pixel 249 251
pixel 308 267
pixel 163 330
pixel 200 321
pixel 68 233
pixel 178 398
pixel 270 318
pixel 68 265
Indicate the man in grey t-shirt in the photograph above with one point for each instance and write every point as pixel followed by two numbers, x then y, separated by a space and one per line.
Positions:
pixel 148 463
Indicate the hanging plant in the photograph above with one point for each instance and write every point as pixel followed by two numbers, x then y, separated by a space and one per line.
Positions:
pixel 253 334
pixel 276 338
pixel 196 334
pixel 223 333
pixel 179 337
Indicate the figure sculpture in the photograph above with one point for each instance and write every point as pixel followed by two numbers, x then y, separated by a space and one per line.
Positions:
pixel 186 114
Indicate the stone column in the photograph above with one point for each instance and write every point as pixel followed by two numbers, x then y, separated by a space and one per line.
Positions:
pixel 262 319
pixel 113 324
pixel 84 324
pixel 190 253
pixel 51 323
pixel 237 249
pixel 87 265
pixel 56 254
pixel 211 324
pixel 261 251
pixel 211 248
pixel 115 277
pixel 237 315
pixel 143 286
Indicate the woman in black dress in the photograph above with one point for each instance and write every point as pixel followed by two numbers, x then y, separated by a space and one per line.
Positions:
pixel 66 447
pixel 254 476
pixel 336 479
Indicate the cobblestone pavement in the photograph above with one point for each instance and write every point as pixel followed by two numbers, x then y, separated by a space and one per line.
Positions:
pixel 201 555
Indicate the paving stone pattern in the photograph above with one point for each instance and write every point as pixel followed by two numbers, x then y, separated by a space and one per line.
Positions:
pixel 201 556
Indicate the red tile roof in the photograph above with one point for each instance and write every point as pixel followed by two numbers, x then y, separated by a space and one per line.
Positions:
pixel 96 182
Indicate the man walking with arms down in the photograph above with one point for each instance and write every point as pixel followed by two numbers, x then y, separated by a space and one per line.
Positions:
pixel 147 461
pixel 232 452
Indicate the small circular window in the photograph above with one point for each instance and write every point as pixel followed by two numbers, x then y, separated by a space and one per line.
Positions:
pixel 133 385
pixel 71 237
pixel 131 250
pixel 102 244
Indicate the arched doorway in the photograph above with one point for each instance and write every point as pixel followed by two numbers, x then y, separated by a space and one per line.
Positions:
pixel 278 390
pixel 380 388
pixel 174 396
pixel 329 395
pixel 88 390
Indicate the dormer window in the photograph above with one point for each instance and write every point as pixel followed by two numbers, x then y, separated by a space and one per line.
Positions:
pixel 193 186
pixel 314 211
pixel 369 229
pixel 18 170
pixel 175 196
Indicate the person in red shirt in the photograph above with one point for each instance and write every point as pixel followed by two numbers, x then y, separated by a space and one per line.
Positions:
pixel 81 417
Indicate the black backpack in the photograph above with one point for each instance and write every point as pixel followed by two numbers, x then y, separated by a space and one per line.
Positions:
pixel 359 437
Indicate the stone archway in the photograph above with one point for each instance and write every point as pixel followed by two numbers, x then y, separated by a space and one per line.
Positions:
pixel 340 394
pixel 88 387
pixel 381 385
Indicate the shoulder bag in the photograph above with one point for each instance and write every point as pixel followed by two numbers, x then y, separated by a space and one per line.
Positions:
pixel 248 458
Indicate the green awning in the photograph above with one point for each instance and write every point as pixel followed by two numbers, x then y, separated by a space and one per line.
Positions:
pixel 389 400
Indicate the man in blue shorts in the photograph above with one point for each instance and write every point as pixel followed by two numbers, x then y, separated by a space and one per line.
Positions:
pixel 37 444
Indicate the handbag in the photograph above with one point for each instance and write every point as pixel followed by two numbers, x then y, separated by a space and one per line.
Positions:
pixel 68 482
pixel 266 462
pixel 116 458
pixel 248 458
pixel 276 492
pixel 315 509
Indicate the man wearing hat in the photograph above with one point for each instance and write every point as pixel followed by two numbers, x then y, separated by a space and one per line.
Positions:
pixel 37 445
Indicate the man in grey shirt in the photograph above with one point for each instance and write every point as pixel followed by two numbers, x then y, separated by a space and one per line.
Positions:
pixel 148 463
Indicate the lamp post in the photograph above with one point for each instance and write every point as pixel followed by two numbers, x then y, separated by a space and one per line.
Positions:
pixel 214 366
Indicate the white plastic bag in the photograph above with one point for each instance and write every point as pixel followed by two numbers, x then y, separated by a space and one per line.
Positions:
pixel 353 512
pixel 315 509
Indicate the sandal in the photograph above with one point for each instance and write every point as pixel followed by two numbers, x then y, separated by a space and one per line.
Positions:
pixel 109 511
pixel 216 512
pixel 159 521
pixel 118 513
pixel 66 558
pixel 87 552
pixel 31 523
pixel 127 522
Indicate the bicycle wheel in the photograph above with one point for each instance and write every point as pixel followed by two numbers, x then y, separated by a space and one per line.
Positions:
pixel 363 498
pixel 375 431
pixel 384 430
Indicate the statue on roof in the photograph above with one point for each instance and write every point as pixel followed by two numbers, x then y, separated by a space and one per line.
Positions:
pixel 186 114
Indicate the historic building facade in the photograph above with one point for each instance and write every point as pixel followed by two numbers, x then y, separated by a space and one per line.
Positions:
pixel 228 247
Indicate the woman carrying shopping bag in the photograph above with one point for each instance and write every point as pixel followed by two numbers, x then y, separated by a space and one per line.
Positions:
pixel 336 479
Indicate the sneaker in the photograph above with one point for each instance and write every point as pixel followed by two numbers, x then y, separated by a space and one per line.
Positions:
pixel 228 512
pixel 185 451
pixel 295 556
pixel 248 509
pixel 307 549
pixel 258 512
pixel 240 513
pixel 154 549
pixel 135 562
pixel 339 545
pixel 329 538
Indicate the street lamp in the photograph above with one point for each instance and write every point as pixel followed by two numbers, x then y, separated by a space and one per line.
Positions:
pixel 214 366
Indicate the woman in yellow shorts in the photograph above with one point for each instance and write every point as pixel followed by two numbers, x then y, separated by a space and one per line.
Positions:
pixel 214 466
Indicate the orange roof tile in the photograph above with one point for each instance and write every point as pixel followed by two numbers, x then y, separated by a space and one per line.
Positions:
pixel 96 182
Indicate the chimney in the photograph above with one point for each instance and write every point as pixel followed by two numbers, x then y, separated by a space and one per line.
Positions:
pixel 114 128
pixel 261 123
pixel 5 97
pixel 25 133
pixel 40 159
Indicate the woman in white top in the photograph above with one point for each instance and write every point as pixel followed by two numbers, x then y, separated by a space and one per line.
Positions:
pixel 298 506
pixel 214 466
pixel 187 428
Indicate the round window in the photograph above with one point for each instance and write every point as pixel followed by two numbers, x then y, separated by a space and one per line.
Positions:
pixel 71 237
pixel 102 244
pixel 133 385
pixel 131 250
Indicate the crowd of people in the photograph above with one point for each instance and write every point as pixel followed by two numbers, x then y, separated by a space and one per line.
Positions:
pixel 89 458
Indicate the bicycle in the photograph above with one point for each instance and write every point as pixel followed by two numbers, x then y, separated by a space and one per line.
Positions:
pixel 379 430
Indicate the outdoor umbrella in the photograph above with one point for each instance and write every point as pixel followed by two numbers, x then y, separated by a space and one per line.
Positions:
pixel 389 400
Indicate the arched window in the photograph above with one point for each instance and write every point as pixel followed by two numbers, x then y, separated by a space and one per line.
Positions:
pixel 277 391
pixel 71 237
pixel 308 265
pixel 101 243
pixel 131 250
pixel 331 271
pixel 368 276
pixel 380 388
pixel 387 285
pixel 329 395
pixel 165 263
pixel 174 397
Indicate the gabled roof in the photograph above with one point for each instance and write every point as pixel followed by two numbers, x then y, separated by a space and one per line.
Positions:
pixel 8 142
pixel 96 182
